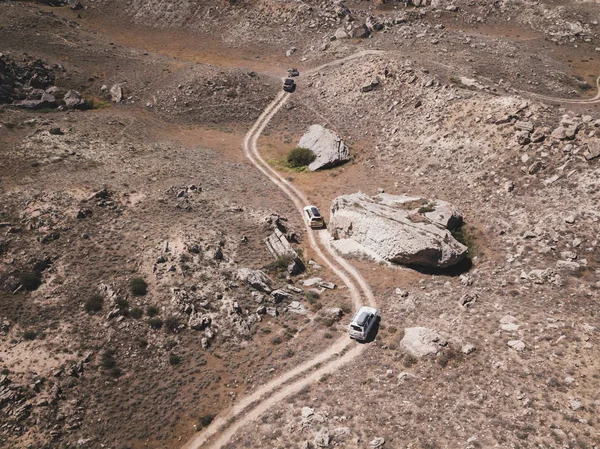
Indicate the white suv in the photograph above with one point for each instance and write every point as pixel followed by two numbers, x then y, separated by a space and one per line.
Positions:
pixel 362 323
pixel 313 217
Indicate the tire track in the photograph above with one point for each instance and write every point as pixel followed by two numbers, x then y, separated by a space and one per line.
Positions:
pixel 249 408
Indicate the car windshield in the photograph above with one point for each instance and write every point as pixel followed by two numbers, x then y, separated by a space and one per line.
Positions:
pixel 315 212
pixel 356 328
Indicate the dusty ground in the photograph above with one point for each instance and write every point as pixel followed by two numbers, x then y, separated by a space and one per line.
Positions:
pixel 195 77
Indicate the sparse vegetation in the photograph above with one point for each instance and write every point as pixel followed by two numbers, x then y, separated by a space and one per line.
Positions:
pixel 174 359
pixel 30 280
pixel 311 296
pixel 94 304
pixel 300 157
pixel 29 335
pixel 155 323
pixel 204 421
pixel 280 264
pixel 152 311
pixel 172 323
pixel 138 287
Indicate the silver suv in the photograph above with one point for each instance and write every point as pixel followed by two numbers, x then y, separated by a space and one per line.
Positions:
pixel 362 323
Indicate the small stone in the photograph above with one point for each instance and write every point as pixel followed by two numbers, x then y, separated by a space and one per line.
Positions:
pixel 468 349
pixel 517 345
pixel 377 442
pixel 575 404
pixel 534 168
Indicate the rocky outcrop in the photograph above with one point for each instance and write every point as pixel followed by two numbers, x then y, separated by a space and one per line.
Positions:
pixel 420 341
pixel 329 148
pixel 280 247
pixel 256 279
pixel 400 229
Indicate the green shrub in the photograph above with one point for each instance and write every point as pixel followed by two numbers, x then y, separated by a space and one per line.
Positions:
pixel 174 359
pixel 171 323
pixel 429 207
pixel 136 313
pixel 279 264
pixel 205 421
pixel 300 157
pixel 311 297
pixel 108 359
pixel 29 335
pixel 123 306
pixel 155 323
pixel 138 287
pixel 30 280
pixel 276 340
pixel 152 311
pixel 467 238
pixel 94 304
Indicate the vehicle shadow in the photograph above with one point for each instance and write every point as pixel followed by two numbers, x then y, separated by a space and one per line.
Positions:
pixel 372 333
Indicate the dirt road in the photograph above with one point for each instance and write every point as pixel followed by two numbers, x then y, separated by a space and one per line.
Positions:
pixel 342 351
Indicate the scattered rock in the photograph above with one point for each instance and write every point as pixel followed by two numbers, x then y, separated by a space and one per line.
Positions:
pixel 370 85
pixel 322 438
pixel 420 341
pixel 116 93
pixel 74 100
pixel 280 248
pixel 256 279
pixel 517 345
pixel 468 349
pixel 279 295
pixel 360 32
pixel 377 442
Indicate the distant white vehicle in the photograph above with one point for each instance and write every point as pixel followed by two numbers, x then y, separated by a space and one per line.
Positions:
pixel 313 217
pixel 362 323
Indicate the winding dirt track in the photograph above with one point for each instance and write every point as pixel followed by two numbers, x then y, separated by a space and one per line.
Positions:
pixel 342 351
pixel 593 100
pixel 250 407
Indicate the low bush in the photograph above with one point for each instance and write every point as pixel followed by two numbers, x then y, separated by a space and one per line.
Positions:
pixel 30 280
pixel 205 420
pixel 136 313
pixel 109 360
pixel 94 304
pixel 174 359
pixel 152 311
pixel 171 323
pixel 138 287
pixel 279 264
pixel 155 323
pixel 29 335
pixel 300 157
pixel 311 297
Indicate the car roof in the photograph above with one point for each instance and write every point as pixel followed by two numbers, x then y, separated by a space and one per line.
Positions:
pixel 362 310
pixel 360 320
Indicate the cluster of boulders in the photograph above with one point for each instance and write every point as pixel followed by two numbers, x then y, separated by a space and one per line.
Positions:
pixel 31 86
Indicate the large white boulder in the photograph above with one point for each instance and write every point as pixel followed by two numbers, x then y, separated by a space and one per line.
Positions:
pixel 329 148
pixel 400 229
